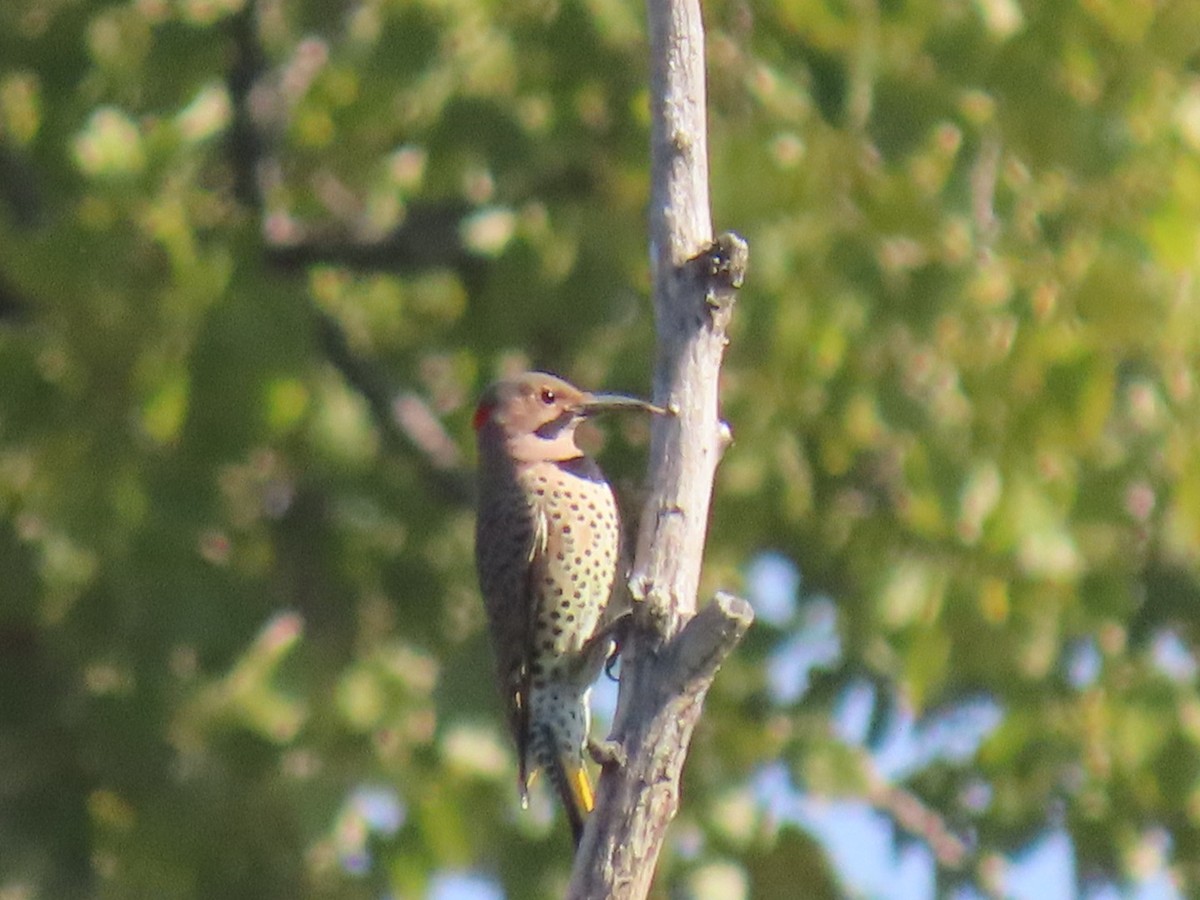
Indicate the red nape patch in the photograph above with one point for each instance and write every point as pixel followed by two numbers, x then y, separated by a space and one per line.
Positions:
pixel 482 414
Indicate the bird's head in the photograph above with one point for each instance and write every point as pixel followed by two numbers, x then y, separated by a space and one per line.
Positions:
pixel 533 416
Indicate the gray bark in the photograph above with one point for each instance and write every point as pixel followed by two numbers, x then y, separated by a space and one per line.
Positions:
pixel 672 652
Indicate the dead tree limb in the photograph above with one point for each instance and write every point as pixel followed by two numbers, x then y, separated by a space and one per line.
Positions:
pixel 672 654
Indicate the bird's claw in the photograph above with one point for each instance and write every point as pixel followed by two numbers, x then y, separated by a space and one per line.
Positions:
pixel 611 663
pixel 613 635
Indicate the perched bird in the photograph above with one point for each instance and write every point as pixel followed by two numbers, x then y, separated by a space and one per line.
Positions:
pixel 548 551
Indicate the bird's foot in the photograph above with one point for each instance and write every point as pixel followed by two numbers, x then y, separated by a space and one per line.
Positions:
pixel 602 650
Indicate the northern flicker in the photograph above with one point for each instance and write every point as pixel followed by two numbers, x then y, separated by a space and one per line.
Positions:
pixel 548 551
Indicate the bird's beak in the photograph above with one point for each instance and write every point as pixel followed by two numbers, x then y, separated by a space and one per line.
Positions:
pixel 598 403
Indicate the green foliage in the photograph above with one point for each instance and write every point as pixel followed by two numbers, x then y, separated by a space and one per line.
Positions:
pixel 963 384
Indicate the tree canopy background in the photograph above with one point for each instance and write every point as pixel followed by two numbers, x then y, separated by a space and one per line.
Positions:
pixel 258 258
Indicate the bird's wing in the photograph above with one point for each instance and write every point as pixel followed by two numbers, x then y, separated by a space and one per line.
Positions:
pixel 519 709
pixel 508 539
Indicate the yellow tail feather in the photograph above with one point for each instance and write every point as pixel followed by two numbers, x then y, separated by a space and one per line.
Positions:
pixel 583 790
pixel 575 791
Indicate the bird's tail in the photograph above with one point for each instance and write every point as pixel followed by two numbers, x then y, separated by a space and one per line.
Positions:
pixel 574 788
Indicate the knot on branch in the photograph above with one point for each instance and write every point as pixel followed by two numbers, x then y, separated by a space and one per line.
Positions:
pixel 728 257
pixel 723 268
pixel 724 436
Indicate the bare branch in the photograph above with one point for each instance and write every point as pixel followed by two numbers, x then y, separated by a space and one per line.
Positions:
pixel 709 637
pixel 919 819
pixel 672 654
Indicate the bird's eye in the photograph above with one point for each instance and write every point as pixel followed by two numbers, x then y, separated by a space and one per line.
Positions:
pixel 547 396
